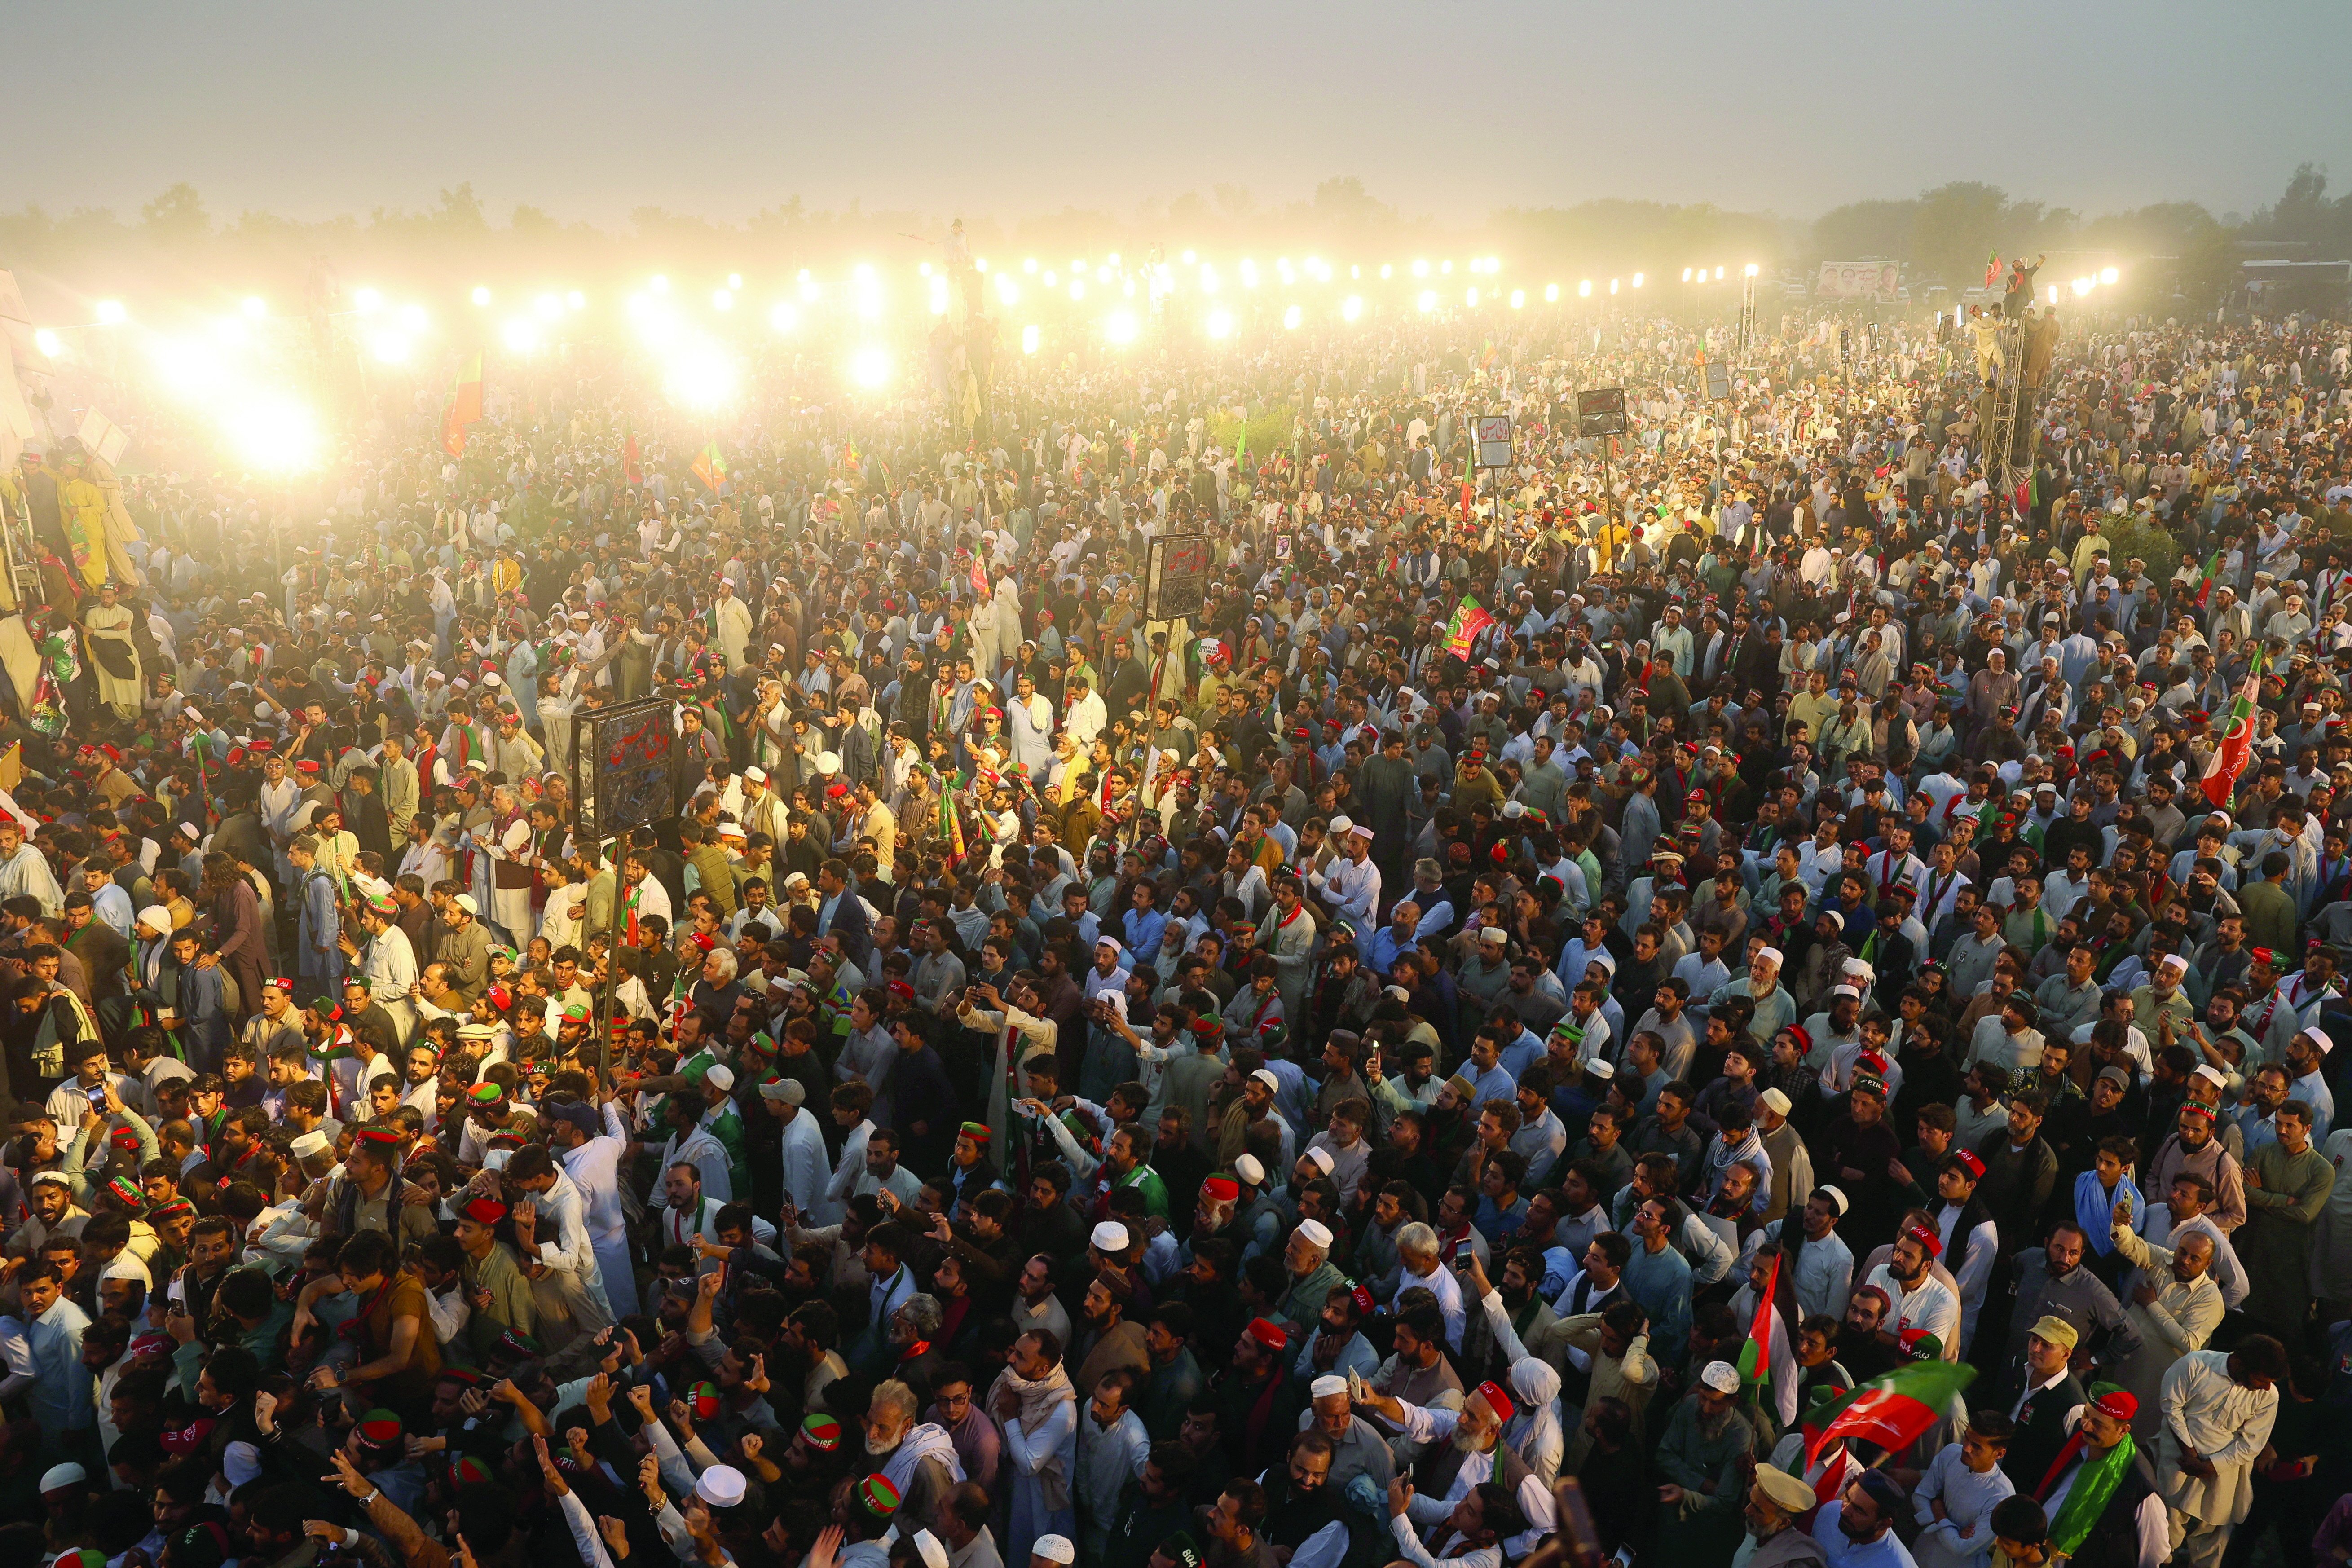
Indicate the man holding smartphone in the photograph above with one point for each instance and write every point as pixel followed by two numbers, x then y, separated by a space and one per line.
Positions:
pixel 86 1089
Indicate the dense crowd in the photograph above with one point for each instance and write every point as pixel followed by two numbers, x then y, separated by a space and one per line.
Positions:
pixel 1557 972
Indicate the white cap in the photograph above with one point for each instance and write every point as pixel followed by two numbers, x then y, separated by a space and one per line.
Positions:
pixel 1773 953
pixel 156 917
pixel 1358 830
pixel 2320 1042
pixel 73 1475
pixel 1340 825
pixel 2174 961
pixel 720 1486
pixel 1493 934
pixel 756 774
pixel 720 1076
pixel 465 902
pixel 1327 1387
pixel 1317 1232
pixel 1266 1076
pixel 1834 1196
pixel 929 1548
pixel 1599 1068
pixel 2212 1075
pixel 1320 1159
pixel 828 761
pixel 1775 1102
pixel 1054 1549
pixel 312 1142
pixel 1109 1235
pixel 1247 1168
pixel 1845 991
pixel 1721 1376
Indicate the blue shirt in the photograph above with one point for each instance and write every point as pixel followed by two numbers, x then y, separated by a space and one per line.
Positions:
pixel 1144 928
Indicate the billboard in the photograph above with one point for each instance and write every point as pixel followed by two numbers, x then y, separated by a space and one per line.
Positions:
pixel 1859 280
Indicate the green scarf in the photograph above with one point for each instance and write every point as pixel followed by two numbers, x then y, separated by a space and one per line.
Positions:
pixel 2087 1498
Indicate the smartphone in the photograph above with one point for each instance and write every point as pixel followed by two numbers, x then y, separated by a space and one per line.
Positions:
pixel 97 1095
pixel 178 1309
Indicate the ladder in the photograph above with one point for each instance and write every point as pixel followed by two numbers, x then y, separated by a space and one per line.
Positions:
pixel 2008 460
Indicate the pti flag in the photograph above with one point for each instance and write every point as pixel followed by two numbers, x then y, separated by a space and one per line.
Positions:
pixel 1992 267
pixel 710 468
pixel 2205 582
pixel 1470 619
pixel 465 407
pixel 2229 759
pixel 1890 1411
pixel 632 470
pixel 1755 1355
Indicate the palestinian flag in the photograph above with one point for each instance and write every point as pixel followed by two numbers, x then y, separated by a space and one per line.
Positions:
pixel 1470 619
pixel 465 407
pixel 2229 759
pixel 710 468
pixel 1890 1411
pixel 632 472
pixel 2205 582
pixel 1755 1355
pixel 1992 267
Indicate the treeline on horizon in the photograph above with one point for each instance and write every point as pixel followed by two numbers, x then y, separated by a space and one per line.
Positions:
pixel 1942 235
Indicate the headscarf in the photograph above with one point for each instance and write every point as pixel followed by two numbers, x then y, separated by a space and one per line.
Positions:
pixel 1039 1400
pixel 1536 1431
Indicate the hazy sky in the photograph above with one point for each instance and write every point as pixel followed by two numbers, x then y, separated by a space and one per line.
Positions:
pixel 591 109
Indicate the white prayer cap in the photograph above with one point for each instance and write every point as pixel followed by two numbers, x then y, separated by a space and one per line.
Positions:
pixel 1721 1376
pixel 1316 1232
pixel 241 1462
pixel 1054 1549
pixel 1266 1076
pixel 928 1547
pixel 72 1475
pixel 1109 1237
pixel 720 1486
pixel 1247 1168
pixel 1320 1159
pixel 1328 1387
pixel 1834 1196
pixel 312 1142
pixel 1771 954
pixel 719 1076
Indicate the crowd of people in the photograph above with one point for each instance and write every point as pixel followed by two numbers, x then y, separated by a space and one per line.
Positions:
pixel 1554 974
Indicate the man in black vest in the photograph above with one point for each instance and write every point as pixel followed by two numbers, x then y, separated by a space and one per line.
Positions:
pixel 2051 1392
pixel 2099 1492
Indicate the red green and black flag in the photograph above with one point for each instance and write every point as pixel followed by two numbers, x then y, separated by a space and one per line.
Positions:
pixel 1755 1355
pixel 1892 1411
pixel 2205 582
pixel 2229 758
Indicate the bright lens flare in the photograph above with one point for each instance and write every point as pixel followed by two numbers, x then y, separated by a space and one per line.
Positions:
pixel 111 313
pixel 1007 290
pixel 413 317
pixel 1220 324
pixel 392 347
pixel 1551 293
pixel 1029 339
pixel 1291 318
pixel 1351 307
pixel 49 342
pixel 186 366
pixel 519 335
pixel 481 297
pixel 2107 275
pixel 548 308
pixel 576 299
pixel 701 375
pixel 367 302
pixel 1428 300
pixel 721 300
pixel 871 367
pixel 783 318
pixel 271 431
pixel 255 307
pixel 1120 327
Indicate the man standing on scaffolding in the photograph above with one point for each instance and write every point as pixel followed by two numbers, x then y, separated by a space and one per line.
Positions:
pixel 2021 286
